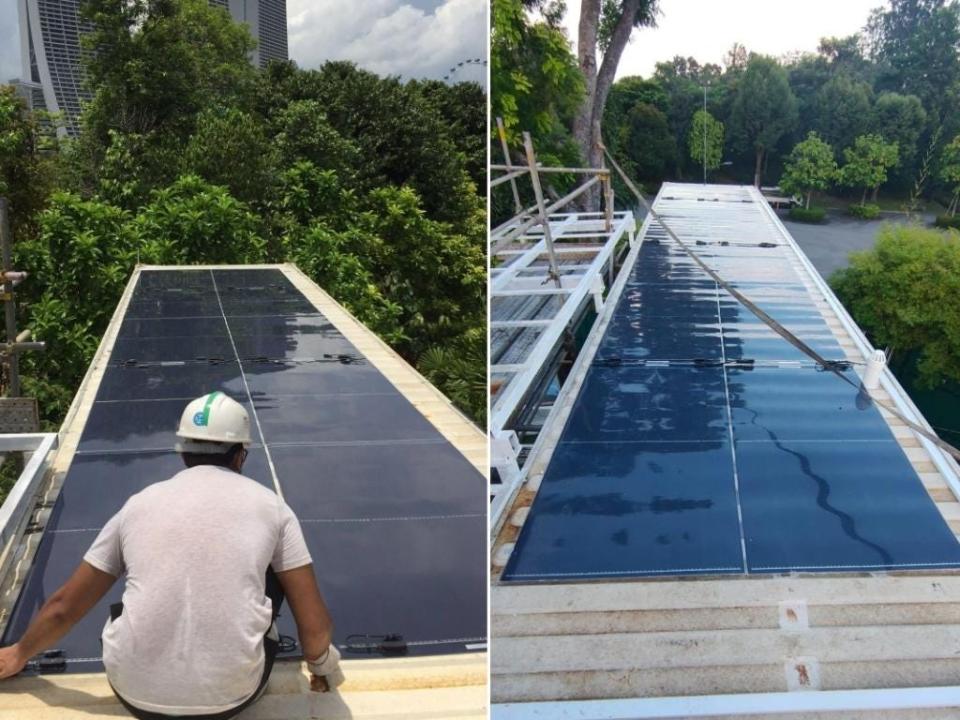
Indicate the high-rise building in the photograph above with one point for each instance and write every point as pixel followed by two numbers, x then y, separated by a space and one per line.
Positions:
pixel 50 48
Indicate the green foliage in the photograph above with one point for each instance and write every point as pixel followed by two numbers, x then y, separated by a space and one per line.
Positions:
pixel 867 163
pixel 764 108
pixel 536 86
pixel 188 154
pixel 865 211
pixel 900 119
pixel 77 267
pixel 950 172
pixel 156 63
pixel 193 222
pixel 813 215
pixel 682 80
pixel 810 167
pixel 916 44
pixel 704 125
pixel 458 369
pixel 842 108
pixel 947 221
pixel 231 148
pixel 535 82
pixel 26 176
pixel 646 146
pixel 903 293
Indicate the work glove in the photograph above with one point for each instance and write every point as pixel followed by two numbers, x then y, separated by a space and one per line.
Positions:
pixel 327 667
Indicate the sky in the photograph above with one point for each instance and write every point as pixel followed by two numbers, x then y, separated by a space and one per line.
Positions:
pixel 706 29
pixel 410 38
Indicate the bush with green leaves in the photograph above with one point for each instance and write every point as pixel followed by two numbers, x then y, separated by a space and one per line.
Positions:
pixel 904 292
pixel 192 222
pixel 78 266
pixel 864 212
pixel 947 221
pixel 813 215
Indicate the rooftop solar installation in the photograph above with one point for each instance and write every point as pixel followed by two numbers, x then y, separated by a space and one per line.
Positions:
pixel 701 442
pixel 393 514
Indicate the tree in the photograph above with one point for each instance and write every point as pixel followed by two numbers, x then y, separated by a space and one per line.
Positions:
pixel 626 94
pixel 842 110
pixel 647 147
pixel 867 163
pixel 535 86
pixel 26 161
pixel 231 148
pixel 764 108
pixel 154 64
pixel 605 25
pixel 950 172
pixel 900 119
pixel 916 43
pixel 704 126
pixel 810 167
pixel 683 79
pixel 903 294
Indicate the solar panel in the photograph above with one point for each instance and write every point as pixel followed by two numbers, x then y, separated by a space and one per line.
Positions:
pixel 701 442
pixel 393 514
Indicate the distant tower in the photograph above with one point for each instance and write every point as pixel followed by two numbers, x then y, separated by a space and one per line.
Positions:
pixel 50 48
pixel 268 24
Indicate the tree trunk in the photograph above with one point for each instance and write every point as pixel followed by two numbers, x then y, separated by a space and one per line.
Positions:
pixel 586 123
pixel 873 197
pixel 587 59
pixel 953 204
pixel 757 168
pixel 863 199
pixel 809 193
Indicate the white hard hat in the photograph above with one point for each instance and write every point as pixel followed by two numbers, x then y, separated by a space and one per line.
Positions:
pixel 212 424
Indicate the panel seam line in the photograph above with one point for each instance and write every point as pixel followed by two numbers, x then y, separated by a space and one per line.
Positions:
pixel 246 387
pixel 733 447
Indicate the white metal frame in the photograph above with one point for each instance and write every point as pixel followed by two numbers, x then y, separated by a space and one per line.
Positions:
pixel 577 289
pixel 545 442
pixel 22 497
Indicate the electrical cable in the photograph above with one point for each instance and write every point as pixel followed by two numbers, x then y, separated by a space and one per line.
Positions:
pixel 834 366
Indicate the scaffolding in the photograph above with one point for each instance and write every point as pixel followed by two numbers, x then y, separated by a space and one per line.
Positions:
pixel 550 266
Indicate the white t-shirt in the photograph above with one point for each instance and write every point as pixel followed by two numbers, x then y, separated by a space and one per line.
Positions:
pixel 195 550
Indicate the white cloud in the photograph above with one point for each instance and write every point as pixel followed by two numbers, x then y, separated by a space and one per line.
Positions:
pixel 390 37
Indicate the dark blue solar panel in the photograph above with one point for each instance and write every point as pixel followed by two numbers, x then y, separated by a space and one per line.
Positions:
pixel 644 480
pixel 365 472
pixel 632 509
pixel 838 506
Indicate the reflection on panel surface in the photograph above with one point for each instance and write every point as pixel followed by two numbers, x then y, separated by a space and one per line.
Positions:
pixel 702 442
pixel 393 514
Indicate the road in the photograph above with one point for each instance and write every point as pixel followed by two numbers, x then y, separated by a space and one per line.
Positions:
pixel 829 245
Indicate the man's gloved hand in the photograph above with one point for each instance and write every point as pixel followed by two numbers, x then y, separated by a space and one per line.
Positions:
pixel 327 667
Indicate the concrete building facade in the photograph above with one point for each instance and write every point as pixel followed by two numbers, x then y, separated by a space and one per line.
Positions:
pixel 50 49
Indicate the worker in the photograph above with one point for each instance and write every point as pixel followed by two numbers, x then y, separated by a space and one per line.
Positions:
pixel 209 556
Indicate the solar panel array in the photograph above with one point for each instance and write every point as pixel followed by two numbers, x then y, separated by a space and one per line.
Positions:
pixel 701 442
pixel 393 514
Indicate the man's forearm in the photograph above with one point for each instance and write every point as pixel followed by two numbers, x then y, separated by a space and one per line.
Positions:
pixel 314 640
pixel 52 623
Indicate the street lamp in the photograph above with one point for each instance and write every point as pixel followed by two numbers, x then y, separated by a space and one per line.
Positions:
pixel 704 133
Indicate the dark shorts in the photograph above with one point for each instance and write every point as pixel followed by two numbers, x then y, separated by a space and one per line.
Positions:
pixel 270 647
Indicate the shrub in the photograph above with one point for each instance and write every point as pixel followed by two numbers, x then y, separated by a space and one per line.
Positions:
pixel 808 215
pixel 948 221
pixel 865 212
